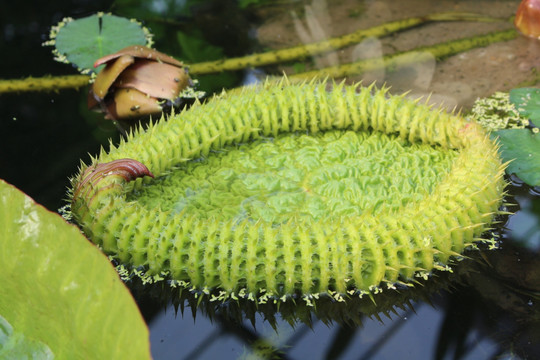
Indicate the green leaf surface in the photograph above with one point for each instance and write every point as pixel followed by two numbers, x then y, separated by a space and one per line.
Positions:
pixel 85 40
pixel 521 146
pixel 14 345
pixel 527 102
pixel 60 290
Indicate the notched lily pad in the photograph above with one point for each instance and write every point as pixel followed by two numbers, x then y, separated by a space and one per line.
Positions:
pixel 83 41
pixel 522 147
pixel 527 102
pixel 60 290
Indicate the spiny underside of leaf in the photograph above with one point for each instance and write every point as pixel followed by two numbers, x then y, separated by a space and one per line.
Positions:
pixel 295 190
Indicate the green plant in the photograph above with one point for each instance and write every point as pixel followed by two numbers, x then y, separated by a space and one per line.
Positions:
pixel 513 120
pixel 293 215
pixel 81 42
pixel 389 271
pixel 61 297
pixel 15 345
pixel 110 33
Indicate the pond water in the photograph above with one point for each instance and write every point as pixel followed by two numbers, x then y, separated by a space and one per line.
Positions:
pixel 493 312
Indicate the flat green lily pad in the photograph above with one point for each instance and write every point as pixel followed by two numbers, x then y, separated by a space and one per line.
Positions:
pixel 522 147
pixel 527 102
pixel 83 41
pixel 59 290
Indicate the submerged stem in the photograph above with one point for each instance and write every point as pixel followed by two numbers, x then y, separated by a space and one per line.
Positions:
pixel 393 61
pixel 54 83
pixel 306 50
pixel 46 83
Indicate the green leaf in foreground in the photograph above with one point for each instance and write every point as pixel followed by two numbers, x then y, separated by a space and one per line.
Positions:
pixel 83 41
pixel 527 102
pixel 60 290
pixel 14 345
pixel 522 146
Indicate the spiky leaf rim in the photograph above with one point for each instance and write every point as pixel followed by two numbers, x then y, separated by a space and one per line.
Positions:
pixel 212 254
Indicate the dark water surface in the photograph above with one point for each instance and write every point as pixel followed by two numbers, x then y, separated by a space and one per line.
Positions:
pixel 492 313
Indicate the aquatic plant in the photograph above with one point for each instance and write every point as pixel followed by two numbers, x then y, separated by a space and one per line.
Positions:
pixel 138 81
pixel 293 190
pixel 61 298
pixel 73 44
pixel 332 44
pixel 513 120
pixel 80 42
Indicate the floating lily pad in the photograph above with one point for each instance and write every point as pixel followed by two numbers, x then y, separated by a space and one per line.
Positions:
pixel 522 146
pixel 527 102
pixel 282 192
pixel 59 290
pixel 83 41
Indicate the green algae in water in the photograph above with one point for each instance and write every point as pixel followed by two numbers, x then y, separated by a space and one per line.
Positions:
pixel 299 175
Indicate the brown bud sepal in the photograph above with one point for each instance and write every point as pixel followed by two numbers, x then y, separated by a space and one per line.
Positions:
pixel 104 178
pixel 135 82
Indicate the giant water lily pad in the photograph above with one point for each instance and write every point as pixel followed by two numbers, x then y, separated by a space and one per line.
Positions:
pixel 59 292
pixel 283 191
pixel 522 148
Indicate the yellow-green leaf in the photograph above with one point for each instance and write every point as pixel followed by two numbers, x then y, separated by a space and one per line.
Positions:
pixel 60 290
